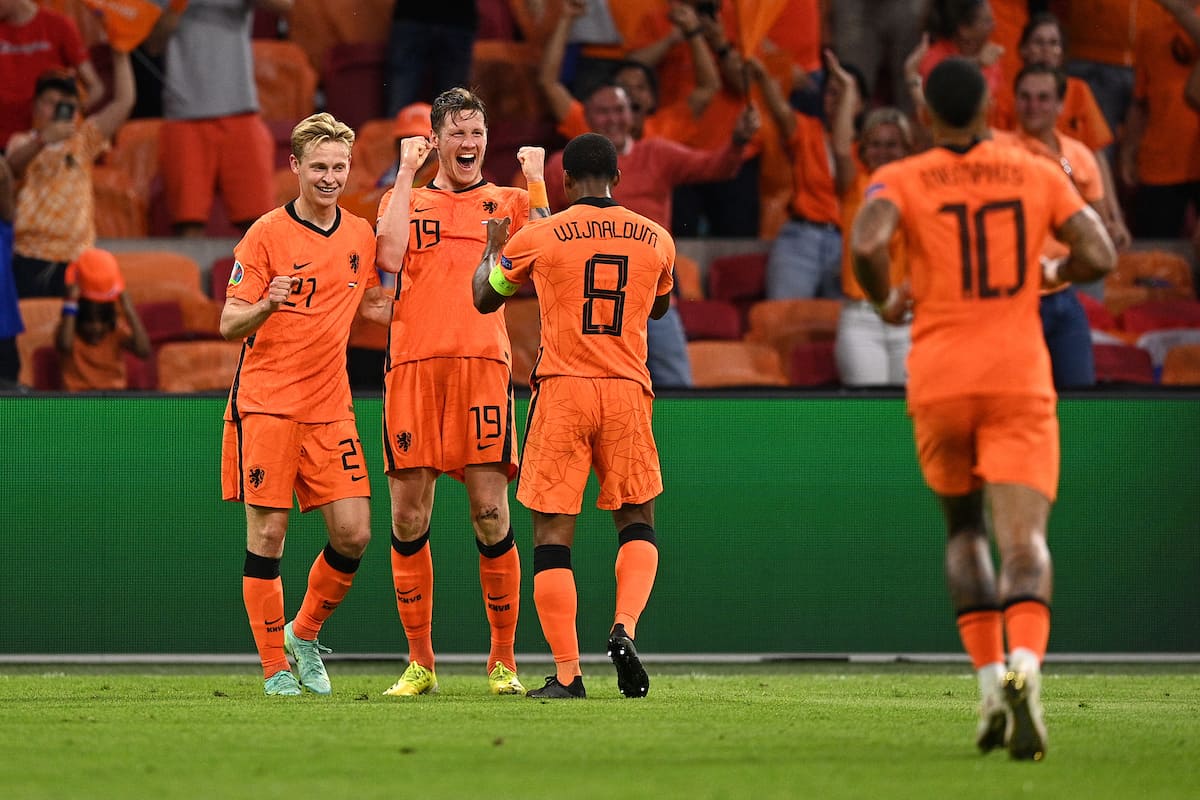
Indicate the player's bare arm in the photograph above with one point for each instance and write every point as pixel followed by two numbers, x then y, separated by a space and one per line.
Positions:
pixel 489 287
pixel 533 167
pixel 376 305
pixel 392 235
pixel 239 318
pixel 1092 252
pixel 869 239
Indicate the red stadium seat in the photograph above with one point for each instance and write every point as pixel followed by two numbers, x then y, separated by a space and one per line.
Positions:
pixel 710 319
pixel 1157 315
pixel 141 374
pixel 740 279
pixel 45 369
pixel 218 278
pixel 1099 317
pixel 353 79
pixel 163 321
pixel 1117 363
pixel 812 364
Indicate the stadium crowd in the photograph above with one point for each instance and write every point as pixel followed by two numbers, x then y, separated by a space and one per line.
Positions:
pixel 757 122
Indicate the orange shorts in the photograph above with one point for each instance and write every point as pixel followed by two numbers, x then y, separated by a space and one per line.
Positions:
pixel 965 442
pixel 265 458
pixel 447 414
pixel 577 424
pixel 235 153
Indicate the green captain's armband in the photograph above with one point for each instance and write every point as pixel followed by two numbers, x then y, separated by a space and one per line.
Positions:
pixel 501 284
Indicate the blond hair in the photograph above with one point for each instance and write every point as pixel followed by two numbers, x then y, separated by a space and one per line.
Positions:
pixel 318 129
pixel 888 115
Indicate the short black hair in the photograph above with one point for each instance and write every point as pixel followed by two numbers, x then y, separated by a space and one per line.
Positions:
pixel 945 16
pixel 455 101
pixel 954 91
pixel 651 75
pixel 590 155
pixel 56 79
pixel 1038 20
pixel 1060 77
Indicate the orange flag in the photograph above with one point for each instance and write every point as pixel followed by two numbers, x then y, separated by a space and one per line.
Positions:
pixel 754 19
pixel 128 22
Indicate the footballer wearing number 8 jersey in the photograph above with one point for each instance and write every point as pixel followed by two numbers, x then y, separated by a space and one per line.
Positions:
pixel 974 215
pixel 601 272
pixel 448 404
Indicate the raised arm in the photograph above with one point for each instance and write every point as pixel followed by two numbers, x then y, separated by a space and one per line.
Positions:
pixel 139 341
pixel 777 105
pixel 533 167
pixel 108 119
pixel 489 287
pixel 704 67
pixel 556 94
pixel 392 232
pixel 841 132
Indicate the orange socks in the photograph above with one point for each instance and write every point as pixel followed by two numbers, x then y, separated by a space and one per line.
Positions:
pixel 500 578
pixel 1028 626
pixel 637 565
pixel 556 600
pixel 412 575
pixel 262 592
pixel 328 581
pixel 982 634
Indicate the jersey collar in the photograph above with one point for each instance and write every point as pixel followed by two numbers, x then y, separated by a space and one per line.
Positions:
pixel 598 202
pixel 962 149
pixel 482 182
pixel 337 220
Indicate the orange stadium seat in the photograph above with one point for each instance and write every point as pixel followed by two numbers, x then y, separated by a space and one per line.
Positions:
pixel 718 364
pixel 812 364
pixel 687 278
pixel 1182 366
pixel 374 154
pixel 319 25
pixel 155 275
pixel 1147 275
pixel 135 153
pixel 524 335
pixel 120 211
pixel 783 324
pixel 710 319
pixel 1116 363
pixel 285 184
pixel 41 316
pixel 197 366
pixel 286 81
pixel 353 78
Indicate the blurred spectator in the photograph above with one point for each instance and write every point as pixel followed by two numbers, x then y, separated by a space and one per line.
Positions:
pixel 1100 36
pixel 1158 152
pixel 650 168
pixel 55 218
pixel 32 41
pixel 429 50
pixel 213 136
pixel 91 337
pixel 10 311
pixel 1039 90
pixel 412 120
pixel 805 260
pixel 877 35
pixel 869 351
pixel 964 28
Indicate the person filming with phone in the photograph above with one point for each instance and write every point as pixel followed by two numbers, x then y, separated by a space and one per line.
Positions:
pixel 55 219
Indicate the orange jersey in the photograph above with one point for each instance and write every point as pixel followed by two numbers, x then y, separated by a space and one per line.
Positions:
pixel 815 194
pixel 435 315
pixel 1105 30
pixel 597 268
pixel 99 366
pixel 974 223
pixel 1163 59
pixel 294 365
pixel 852 201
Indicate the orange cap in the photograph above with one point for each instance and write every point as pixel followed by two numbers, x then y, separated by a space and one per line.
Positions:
pixel 413 120
pixel 97 274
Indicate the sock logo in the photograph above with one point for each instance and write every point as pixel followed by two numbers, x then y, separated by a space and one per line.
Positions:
pixel 495 606
pixel 270 622
pixel 328 605
pixel 402 596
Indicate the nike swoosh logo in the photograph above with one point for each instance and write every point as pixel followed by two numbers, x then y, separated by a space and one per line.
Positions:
pixel 419 210
pixel 357 477
pixel 274 621
pixel 484 446
pixel 407 591
pixel 300 266
pixel 497 597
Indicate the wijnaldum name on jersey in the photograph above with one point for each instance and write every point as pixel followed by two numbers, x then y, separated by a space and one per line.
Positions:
pixel 605 229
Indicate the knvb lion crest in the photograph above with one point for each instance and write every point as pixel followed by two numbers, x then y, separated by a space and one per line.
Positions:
pixel 490 206
pixel 354 263
pixel 404 440
pixel 257 475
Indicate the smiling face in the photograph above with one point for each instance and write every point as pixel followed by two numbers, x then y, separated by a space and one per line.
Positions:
pixel 1038 105
pixel 461 141
pixel 881 145
pixel 1044 46
pixel 609 115
pixel 323 171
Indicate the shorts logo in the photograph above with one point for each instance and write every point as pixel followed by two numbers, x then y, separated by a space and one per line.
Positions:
pixel 490 206
pixel 404 440
pixel 257 476
pixel 239 272
pixel 354 263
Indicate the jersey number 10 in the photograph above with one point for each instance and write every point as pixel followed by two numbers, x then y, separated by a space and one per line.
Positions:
pixel 975 277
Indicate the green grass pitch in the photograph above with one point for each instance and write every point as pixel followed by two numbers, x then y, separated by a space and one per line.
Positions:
pixel 785 730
